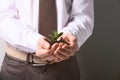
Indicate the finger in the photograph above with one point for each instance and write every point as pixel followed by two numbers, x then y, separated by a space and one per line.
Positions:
pixel 59 60
pixel 43 53
pixel 44 43
pixel 54 46
pixel 61 56
pixel 61 45
pixel 65 52
pixel 48 58
pixel 71 47
pixel 61 51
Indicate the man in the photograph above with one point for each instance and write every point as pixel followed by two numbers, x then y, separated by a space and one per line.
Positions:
pixel 29 55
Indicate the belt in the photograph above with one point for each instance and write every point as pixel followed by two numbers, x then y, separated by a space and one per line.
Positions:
pixel 23 56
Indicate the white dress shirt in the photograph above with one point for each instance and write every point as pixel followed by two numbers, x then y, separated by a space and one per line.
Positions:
pixel 19 21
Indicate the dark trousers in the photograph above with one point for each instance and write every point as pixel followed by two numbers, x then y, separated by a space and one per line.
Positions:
pixel 14 69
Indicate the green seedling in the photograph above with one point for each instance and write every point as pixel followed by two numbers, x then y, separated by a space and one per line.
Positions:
pixel 54 38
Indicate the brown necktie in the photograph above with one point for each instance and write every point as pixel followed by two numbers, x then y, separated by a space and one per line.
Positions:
pixel 47 17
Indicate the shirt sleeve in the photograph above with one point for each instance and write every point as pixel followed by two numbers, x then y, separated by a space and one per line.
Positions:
pixel 13 32
pixel 81 20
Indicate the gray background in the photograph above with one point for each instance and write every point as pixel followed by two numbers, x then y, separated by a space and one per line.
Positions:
pixel 99 57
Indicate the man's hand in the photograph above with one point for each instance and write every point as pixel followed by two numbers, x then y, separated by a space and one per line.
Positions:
pixel 45 51
pixel 64 51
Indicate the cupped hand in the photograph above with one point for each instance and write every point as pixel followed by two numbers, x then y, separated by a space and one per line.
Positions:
pixel 65 51
pixel 44 50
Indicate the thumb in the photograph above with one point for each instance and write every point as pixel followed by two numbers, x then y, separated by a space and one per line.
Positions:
pixel 69 37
